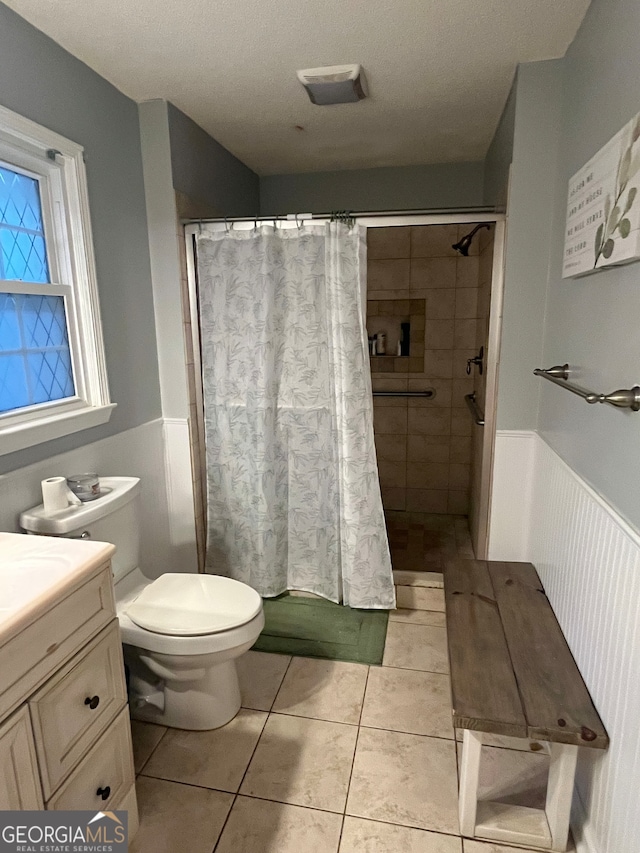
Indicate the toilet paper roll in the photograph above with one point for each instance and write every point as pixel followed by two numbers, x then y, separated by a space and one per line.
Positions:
pixel 54 494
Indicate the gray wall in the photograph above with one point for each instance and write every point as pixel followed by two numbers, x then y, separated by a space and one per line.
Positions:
pixel 166 270
pixel 592 322
pixel 500 154
pixel 565 110
pixel 41 81
pixel 206 172
pixel 399 188
pixel 531 202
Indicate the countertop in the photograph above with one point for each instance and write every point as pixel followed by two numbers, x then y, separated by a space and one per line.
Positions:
pixel 35 571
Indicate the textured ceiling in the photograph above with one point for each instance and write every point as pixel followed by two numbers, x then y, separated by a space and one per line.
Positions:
pixel 439 71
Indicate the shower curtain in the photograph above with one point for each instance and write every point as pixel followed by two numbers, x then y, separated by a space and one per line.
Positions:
pixel 292 482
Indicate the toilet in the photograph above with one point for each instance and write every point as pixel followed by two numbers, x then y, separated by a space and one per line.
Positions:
pixel 182 632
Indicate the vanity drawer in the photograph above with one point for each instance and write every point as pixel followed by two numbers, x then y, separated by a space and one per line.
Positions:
pixel 76 706
pixel 27 659
pixel 107 768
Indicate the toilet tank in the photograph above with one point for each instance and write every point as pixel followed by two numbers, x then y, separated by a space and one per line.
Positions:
pixel 113 517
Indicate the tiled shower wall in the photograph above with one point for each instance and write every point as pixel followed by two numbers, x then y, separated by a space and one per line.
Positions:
pixel 423 444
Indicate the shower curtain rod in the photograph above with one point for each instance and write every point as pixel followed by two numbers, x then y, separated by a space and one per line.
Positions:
pixel 356 214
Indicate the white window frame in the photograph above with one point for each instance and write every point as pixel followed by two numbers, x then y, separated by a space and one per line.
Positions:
pixel 58 165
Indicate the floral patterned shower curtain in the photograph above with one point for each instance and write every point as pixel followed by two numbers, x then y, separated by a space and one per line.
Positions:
pixel 293 492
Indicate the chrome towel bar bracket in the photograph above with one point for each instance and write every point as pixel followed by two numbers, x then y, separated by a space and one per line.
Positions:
pixel 625 398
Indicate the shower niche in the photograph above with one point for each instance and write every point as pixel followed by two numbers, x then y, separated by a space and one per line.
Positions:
pixel 401 322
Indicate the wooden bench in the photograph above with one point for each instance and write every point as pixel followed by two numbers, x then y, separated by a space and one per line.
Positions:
pixel 512 673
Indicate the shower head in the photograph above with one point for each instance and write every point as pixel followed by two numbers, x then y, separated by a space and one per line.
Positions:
pixel 464 243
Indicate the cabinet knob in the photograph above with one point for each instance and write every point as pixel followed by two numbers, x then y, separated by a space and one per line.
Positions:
pixel 104 793
pixel 92 702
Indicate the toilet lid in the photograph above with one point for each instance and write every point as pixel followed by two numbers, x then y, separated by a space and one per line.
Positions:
pixel 190 605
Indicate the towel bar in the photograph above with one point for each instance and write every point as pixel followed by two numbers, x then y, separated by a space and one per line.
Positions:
pixel 474 408
pixel 430 393
pixel 625 398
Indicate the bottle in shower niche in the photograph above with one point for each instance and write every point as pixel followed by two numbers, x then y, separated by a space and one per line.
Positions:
pixel 405 338
pixel 381 343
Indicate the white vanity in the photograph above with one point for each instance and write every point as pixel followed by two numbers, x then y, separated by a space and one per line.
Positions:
pixel 65 737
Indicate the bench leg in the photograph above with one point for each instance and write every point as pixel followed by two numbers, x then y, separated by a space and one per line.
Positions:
pixel 469 773
pixel 562 771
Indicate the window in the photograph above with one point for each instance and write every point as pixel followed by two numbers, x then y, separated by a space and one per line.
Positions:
pixel 52 372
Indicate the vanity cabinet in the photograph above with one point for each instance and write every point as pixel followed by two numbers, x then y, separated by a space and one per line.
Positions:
pixel 55 634
pixel 76 705
pixel 19 782
pixel 65 736
pixel 104 776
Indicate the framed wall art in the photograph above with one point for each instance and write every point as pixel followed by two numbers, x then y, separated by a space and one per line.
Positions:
pixel 603 207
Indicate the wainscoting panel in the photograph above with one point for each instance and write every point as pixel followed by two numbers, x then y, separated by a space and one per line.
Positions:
pixel 182 529
pixel 588 558
pixel 138 452
pixel 511 491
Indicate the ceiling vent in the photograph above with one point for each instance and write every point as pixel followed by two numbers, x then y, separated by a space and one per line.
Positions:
pixel 337 84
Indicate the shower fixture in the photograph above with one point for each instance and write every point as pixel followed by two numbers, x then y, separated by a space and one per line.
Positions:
pixel 464 243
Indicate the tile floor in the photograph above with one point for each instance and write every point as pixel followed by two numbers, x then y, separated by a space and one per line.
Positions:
pixel 325 757
pixel 423 542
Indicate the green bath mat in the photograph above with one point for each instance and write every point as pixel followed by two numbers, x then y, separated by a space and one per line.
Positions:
pixel 313 627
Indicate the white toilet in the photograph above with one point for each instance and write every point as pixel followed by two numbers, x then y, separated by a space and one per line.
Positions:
pixel 181 632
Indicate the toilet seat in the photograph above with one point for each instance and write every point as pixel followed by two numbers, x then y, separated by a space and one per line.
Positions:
pixel 193 605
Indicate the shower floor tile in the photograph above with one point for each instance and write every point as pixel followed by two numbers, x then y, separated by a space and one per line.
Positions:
pixel 422 542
